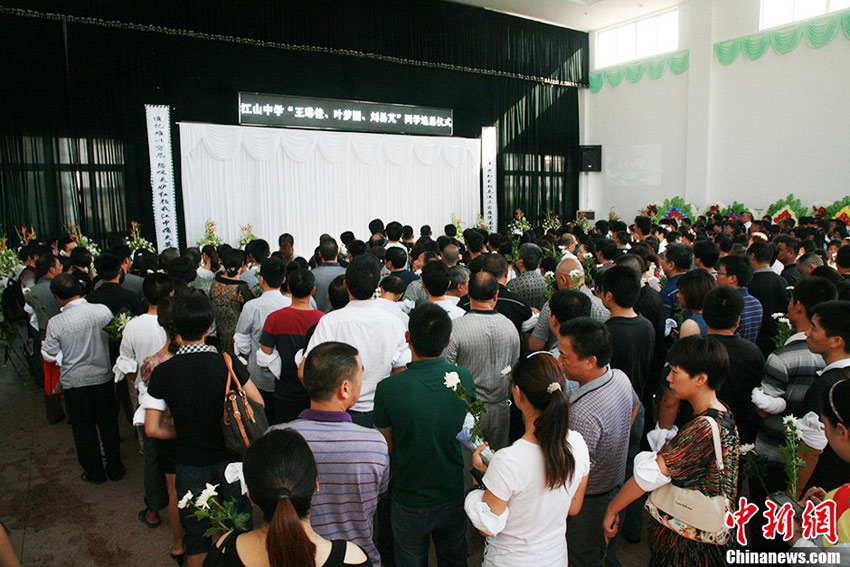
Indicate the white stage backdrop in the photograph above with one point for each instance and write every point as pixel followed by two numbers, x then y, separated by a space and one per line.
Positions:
pixel 307 182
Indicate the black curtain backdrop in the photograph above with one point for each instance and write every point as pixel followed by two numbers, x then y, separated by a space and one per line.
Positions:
pixel 73 142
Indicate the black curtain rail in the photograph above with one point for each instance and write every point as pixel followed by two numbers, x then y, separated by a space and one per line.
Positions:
pixel 436 34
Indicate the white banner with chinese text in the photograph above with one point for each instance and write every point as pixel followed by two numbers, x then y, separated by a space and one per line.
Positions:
pixel 489 149
pixel 162 175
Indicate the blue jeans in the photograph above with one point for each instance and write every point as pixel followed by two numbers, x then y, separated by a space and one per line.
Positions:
pixel 414 527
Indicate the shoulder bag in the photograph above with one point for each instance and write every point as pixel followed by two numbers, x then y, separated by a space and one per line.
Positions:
pixel 690 513
pixel 244 420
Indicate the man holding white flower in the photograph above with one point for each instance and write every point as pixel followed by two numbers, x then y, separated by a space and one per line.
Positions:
pixel 788 374
pixel 485 342
pixel 420 415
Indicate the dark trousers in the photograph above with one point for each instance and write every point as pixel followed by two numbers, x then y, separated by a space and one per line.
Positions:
pixel 156 491
pixel 585 541
pixel 775 480
pixel 413 528
pixel 93 410
pixel 195 479
pixel 362 418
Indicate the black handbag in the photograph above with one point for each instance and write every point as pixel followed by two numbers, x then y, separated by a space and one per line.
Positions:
pixel 244 420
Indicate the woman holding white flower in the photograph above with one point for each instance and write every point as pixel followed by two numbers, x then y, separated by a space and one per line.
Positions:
pixel 532 486
pixel 281 476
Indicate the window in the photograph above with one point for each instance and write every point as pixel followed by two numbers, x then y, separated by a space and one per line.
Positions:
pixel 63 181
pixel 780 12
pixel 537 180
pixel 639 39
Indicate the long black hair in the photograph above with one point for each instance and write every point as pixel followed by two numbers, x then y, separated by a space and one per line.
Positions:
pixel 541 380
pixel 281 476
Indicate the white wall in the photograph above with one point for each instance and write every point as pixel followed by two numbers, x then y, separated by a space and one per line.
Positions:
pixel 752 131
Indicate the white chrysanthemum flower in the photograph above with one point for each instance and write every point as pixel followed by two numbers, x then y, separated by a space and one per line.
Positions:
pixel 784 321
pixel 746 448
pixel 789 419
pixel 549 275
pixel 587 255
pixel 778 316
pixel 576 273
pixel 206 494
pixel 451 380
pixel 506 370
pixel 187 498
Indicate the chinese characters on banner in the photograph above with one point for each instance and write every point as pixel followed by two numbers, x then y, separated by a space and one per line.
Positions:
pixel 489 150
pixel 162 175
pixel 257 109
pixel 817 520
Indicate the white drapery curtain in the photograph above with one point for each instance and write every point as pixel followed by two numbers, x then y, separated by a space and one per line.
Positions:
pixel 309 182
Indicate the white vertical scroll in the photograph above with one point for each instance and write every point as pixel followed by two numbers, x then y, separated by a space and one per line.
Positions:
pixel 489 149
pixel 162 175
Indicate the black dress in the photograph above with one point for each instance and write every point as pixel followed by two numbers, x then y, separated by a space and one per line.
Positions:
pixel 225 555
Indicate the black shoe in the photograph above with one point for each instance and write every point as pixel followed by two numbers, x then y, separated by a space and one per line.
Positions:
pixel 85 477
pixel 56 420
pixel 117 475
pixel 143 518
pixel 180 558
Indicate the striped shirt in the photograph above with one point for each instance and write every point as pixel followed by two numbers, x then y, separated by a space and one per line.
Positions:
pixel 603 416
pixel 354 470
pixel 751 316
pixel 788 373
pixel 484 342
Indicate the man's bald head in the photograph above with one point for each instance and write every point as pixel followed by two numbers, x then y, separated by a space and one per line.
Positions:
pixel 562 273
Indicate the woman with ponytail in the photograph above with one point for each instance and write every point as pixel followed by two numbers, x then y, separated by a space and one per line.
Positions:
pixel 281 476
pixel 532 486
pixel 229 293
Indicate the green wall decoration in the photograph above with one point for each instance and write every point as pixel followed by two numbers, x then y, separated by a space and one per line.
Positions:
pixel 818 33
pixel 654 68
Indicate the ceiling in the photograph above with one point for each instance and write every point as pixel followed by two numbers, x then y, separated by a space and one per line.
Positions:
pixel 584 15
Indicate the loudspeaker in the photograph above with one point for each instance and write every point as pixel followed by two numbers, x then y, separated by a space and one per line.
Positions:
pixel 591 158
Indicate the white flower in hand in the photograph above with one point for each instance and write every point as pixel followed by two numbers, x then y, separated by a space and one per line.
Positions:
pixel 789 419
pixel 587 255
pixel 506 370
pixel 778 315
pixel 549 275
pixel 187 498
pixel 451 380
pixel 576 273
pixel 206 494
pixel 746 448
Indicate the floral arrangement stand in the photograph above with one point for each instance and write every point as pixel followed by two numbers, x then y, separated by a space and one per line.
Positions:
pixel 246 235
pixel 677 209
pixel 210 238
pixel 136 241
pixel 83 241
pixel 787 208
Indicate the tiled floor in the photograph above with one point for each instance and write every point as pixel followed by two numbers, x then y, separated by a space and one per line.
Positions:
pixel 57 520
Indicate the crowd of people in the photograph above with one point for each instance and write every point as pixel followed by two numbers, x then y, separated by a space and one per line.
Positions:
pixel 607 362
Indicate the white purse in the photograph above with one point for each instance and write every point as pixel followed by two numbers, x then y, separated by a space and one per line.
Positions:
pixel 690 513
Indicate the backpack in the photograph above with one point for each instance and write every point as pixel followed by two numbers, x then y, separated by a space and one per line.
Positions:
pixel 13 301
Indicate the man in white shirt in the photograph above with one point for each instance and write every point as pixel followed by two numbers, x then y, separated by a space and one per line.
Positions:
pixel 377 335
pixel 143 337
pixel 394 233
pixel 435 282
pixel 249 328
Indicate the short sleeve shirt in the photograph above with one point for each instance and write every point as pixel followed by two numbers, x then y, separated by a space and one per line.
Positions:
pixel 425 417
pixel 192 386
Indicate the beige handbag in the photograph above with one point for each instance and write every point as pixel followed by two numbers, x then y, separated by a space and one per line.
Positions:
pixel 690 513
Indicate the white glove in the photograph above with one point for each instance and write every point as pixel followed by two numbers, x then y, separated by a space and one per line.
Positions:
pixel 658 437
pixel 811 431
pixel 766 403
pixel 647 473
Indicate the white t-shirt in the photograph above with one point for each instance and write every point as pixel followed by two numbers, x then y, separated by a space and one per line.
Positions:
pixel 451 308
pixel 141 338
pixel 535 533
